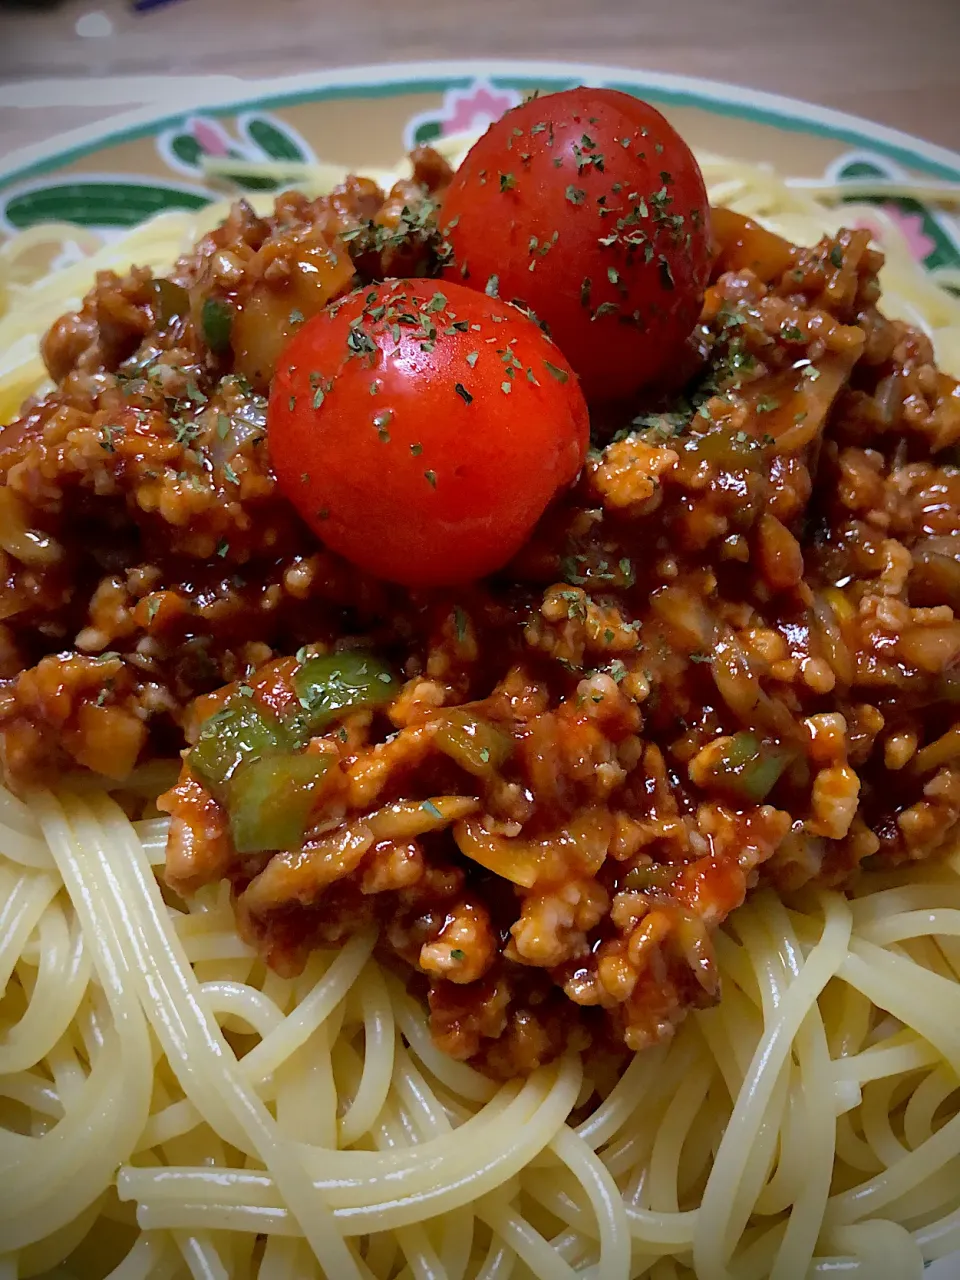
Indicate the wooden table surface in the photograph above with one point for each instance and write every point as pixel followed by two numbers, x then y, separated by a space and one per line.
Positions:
pixel 892 60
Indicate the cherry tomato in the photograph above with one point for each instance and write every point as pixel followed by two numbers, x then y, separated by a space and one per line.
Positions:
pixel 587 207
pixel 421 428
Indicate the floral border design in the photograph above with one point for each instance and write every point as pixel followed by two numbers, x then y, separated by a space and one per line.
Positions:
pixel 111 203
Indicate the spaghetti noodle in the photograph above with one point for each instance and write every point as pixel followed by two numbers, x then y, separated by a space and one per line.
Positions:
pixel 268 1127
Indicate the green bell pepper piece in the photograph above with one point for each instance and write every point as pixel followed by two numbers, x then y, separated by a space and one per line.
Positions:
pixel 171 301
pixel 474 744
pixel 239 732
pixel 333 683
pixel 751 767
pixel 270 801
pixel 216 320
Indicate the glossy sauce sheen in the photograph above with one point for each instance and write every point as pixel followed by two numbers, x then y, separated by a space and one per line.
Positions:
pixel 728 655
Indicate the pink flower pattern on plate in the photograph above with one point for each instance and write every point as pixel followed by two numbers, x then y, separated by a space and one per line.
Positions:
pixel 214 140
pixel 910 223
pixel 475 107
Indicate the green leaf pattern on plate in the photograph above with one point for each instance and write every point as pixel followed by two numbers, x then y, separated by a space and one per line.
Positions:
pixel 111 202
pixel 256 136
pixel 187 150
pixel 427 131
pixel 106 203
pixel 274 140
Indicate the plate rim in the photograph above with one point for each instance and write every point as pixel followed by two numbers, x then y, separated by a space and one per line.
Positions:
pixel 390 79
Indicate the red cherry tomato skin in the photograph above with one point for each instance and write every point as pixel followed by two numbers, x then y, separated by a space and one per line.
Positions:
pixel 590 209
pixel 421 428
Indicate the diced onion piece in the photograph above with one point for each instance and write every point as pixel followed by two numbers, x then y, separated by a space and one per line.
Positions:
pixel 513 860
pixel 272 312
pixel 686 616
pixel 938 752
pixel 406 819
pixel 578 849
pixel 20 541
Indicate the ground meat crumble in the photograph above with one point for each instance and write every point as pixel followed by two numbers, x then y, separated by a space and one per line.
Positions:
pixel 729 656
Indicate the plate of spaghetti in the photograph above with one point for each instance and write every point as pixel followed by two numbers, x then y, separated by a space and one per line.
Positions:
pixel 479 669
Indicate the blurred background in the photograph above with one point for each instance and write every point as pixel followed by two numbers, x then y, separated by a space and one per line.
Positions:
pixel 65 63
